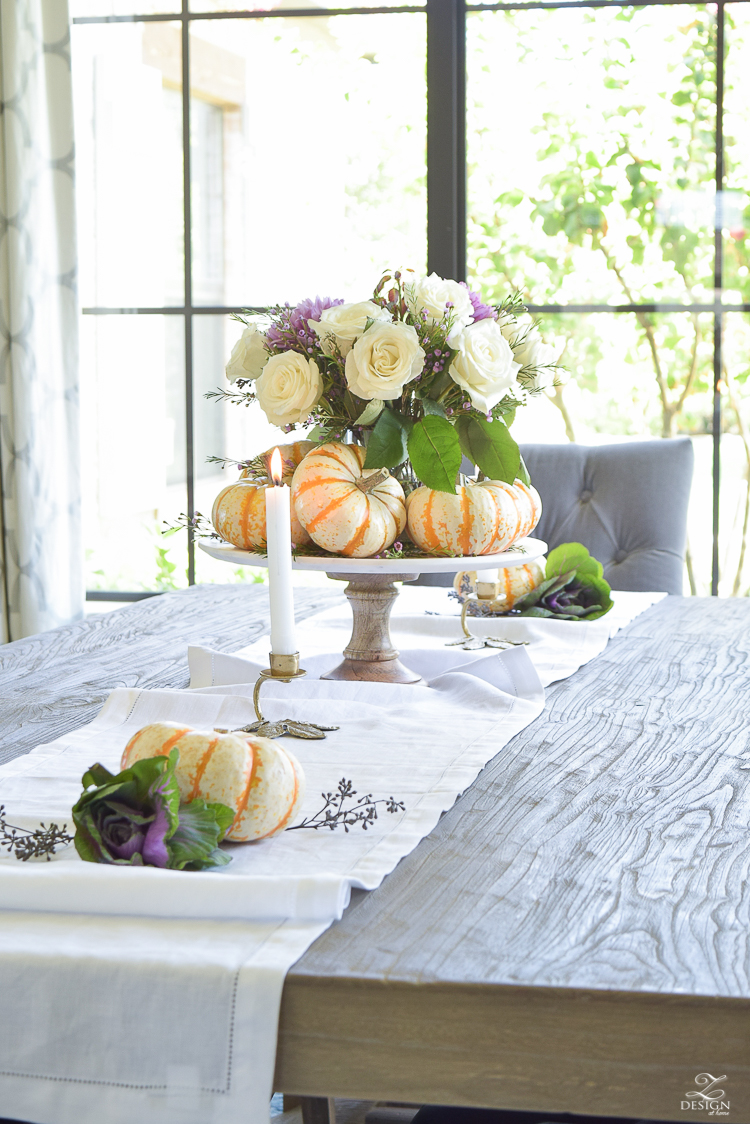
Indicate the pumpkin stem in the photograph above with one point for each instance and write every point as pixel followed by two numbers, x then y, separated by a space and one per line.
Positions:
pixel 367 483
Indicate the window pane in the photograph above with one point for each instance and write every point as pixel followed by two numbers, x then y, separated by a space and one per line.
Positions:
pixel 734 511
pixel 129 164
pixel 308 170
pixel 80 8
pixel 596 184
pixel 616 367
pixel 132 395
pixel 736 201
pixel 279 5
pixel 221 430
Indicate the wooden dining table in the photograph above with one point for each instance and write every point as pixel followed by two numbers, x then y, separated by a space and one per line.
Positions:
pixel 573 936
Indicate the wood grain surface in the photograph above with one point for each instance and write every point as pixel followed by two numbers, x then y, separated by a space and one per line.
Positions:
pixel 574 934
pixel 57 681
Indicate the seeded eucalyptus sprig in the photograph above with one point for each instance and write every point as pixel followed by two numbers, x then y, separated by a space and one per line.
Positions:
pixel 41 842
pixel 342 809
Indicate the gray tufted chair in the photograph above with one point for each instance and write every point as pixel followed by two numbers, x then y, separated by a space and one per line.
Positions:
pixel 626 503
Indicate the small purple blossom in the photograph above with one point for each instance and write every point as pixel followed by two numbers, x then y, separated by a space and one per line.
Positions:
pixel 481 311
pixel 466 406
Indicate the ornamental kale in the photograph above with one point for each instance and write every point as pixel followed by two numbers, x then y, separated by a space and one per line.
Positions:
pixel 574 587
pixel 137 819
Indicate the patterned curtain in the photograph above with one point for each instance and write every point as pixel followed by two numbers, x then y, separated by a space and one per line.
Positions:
pixel 41 582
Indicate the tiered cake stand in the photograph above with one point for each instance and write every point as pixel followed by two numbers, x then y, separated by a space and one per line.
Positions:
pixel 370 654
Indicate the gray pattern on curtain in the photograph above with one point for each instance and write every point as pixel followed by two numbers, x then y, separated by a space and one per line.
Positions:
pixel 41 581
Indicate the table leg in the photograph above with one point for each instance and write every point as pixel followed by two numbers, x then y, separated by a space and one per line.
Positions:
pixel 318 1110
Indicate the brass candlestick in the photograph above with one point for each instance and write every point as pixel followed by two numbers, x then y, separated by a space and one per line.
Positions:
pixel 487 593
pixel 283 669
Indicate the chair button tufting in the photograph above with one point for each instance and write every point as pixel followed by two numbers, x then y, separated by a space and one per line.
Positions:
pixel 586 496
pixel 621 555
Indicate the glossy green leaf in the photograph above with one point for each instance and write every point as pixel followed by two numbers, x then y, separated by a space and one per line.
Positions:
pixel 371 411
pixel 435 453
pixel 489 445
pixel 523 472
pixel 430 406
pixel 387 445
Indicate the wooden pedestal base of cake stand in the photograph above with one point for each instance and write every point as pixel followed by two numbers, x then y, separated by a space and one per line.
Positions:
pixel 370 654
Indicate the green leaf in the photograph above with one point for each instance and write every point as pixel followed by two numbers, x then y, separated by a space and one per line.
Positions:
pixel 96 775
pixel 435 453
pixel 370 413
pixel 489 445
pixel 132 788
pixel 601 587
pixel 550 585
pixel 201 827
pixel 523 472
pixel 430 406
pixel 572 556
pixel 387 445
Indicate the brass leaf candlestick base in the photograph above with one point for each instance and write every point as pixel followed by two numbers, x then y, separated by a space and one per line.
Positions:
pixel 283 669
pixel 486 592
pixel 370 655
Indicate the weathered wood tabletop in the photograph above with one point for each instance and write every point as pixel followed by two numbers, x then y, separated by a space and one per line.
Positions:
pixel 574 934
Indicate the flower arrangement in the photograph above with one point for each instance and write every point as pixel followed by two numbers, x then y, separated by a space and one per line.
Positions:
pixel 422 374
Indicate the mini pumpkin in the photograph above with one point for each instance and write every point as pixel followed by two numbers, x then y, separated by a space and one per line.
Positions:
pixel 344 507
pixel 239 511
pixel 478 518
pixel 258 779
pixel 519 507
pixel 513 583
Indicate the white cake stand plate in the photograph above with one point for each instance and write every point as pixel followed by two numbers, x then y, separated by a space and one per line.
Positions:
pixel 370 654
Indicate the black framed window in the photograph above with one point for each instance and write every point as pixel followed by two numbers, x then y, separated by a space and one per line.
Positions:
pixel 591 153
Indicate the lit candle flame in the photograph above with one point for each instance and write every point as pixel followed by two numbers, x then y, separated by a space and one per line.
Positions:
pixel 276 467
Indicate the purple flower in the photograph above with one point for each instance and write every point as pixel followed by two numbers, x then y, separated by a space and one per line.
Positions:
pixel 481 311
pixel 292 327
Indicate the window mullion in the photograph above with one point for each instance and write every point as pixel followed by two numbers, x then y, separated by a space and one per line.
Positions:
pixel 446 138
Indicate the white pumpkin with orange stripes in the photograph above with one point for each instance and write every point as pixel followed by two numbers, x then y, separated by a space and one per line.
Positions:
pixel 513 583
pixel 478 518
pixel 261 781
pixel 344 507
pixel 239 511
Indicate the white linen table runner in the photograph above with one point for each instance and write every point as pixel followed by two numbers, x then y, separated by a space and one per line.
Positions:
pixel 152 996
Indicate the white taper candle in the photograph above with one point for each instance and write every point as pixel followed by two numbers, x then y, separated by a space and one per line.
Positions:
pixel 279 540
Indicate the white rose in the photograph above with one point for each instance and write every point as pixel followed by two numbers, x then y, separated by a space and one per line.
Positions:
pixel 383 360
pixel 289 388
pixel 249 355
pixel 345 322
pixel 433 294
pixel 484 365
